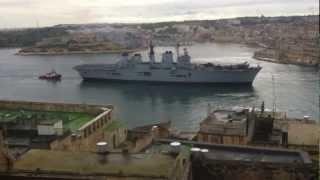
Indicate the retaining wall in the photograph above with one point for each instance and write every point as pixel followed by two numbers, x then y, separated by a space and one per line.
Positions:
pixel 49 106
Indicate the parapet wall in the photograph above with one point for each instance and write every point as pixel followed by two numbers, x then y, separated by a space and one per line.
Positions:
pixel 48 106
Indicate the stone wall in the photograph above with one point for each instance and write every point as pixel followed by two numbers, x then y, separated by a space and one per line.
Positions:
pixel 182 168
pixel 48 106
pixel 142 139
pixel 307 134
pixel 221 139
pixel 1 137
pixel 98 122
pixel 50 176
pixel 88 143
pixel 289 56
pixel 5 161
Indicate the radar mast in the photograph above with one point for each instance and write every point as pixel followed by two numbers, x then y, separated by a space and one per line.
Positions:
pixel 151 53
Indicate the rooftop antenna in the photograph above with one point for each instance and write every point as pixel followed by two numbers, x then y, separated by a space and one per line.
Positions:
pixel 259 13
pixel 274 106
pixel 37 23
pixel 209 109
pixel 38 36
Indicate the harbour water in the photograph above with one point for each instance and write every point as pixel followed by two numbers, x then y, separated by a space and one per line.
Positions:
pixel 295 89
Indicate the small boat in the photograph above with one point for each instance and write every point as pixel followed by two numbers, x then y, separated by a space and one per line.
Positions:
pixel 53 75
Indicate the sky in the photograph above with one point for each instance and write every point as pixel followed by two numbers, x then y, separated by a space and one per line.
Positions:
pixel 33 13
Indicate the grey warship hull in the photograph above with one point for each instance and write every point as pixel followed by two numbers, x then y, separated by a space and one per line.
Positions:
pixel 169 70
pixel 147 74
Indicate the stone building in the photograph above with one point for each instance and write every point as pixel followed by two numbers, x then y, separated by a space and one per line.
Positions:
pixel 308 133
pixel 58 126
pixel 224 127
pixel 237 162
pixel 259 128
pixel 87 165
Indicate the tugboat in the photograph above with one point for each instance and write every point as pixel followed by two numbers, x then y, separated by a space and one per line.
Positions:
pixel 52 76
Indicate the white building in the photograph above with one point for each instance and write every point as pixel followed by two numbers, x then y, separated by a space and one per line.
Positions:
pixel 48 128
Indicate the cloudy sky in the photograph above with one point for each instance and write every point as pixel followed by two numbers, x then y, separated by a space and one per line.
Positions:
pixel 26 13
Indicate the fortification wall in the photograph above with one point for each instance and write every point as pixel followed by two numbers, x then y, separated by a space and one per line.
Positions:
pixel 88 143
pixel 50 106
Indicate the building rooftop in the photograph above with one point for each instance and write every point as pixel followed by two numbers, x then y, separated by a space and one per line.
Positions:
pixel 71 120
pixel 303 133
pixel 238 153
pixel 86 163
pixel 253 156
pixel 227 115
pixel 225 122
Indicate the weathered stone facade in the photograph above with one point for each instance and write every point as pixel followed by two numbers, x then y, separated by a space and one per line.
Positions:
pixel 88 143
pixel 224 127
pixel 245 171
pixel 222 139
pixel 89 134
pixel 5 161
pixel 48 106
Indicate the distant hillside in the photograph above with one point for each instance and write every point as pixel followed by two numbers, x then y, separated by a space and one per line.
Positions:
pixel 28 37
pixel 293 39
pixel 161 30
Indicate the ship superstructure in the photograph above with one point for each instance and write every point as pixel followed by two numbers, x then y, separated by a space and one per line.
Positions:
pixel 177 69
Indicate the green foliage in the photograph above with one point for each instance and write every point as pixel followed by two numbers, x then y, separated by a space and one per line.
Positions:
pixel 71 120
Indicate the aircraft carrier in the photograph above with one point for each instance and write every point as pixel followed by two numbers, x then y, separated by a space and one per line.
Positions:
pixel 169 69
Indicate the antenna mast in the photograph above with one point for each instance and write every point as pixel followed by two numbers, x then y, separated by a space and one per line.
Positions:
pixel 274 106
pixel 177 51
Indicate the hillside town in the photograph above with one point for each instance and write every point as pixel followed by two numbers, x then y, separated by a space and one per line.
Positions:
pixel 293 39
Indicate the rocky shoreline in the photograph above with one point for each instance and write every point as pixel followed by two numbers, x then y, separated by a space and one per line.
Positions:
pixel 286 57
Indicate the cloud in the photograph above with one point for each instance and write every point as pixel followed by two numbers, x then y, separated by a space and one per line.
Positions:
pixel 15 13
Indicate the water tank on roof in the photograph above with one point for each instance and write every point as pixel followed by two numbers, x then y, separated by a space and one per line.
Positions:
pixel 175 147
pixel 102 147
pixel 195 149
pixel 306 117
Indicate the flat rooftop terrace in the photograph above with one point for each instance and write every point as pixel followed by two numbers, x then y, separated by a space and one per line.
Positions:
pixel 253 156
pixel 86 163
pixel 71 120
pixel 219 152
